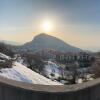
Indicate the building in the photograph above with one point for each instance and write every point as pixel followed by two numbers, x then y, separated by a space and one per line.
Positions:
pixel 48 54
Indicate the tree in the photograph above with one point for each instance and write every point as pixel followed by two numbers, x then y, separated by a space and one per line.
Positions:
pixel 34 61
pixel 96 66
pixel 6 49
pixel 7 63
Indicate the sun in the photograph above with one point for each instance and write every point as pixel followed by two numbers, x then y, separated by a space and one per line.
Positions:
pixel 47 26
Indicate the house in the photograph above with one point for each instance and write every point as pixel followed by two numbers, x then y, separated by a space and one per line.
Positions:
pixel 84 59
pixel 67 57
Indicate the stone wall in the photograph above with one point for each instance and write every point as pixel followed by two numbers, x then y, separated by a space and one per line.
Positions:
pixel 14 90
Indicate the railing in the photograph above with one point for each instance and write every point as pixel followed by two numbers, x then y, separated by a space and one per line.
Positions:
pixel 14 90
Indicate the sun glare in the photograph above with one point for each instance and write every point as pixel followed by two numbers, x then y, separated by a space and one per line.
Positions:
pixel 47 26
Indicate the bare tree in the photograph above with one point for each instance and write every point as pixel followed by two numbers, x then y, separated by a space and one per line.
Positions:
pixel 96 66
pixel 34 61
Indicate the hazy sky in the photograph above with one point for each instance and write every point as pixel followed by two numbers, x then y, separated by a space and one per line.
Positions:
pixel 77 22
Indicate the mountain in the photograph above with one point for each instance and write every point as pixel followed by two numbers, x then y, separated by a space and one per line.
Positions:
pixel 44 41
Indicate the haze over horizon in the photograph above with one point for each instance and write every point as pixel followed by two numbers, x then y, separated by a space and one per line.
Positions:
pixel 74 21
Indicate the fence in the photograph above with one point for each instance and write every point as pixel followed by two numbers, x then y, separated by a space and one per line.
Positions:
pixel 14 90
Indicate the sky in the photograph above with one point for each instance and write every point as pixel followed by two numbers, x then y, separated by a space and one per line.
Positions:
pixel 76 22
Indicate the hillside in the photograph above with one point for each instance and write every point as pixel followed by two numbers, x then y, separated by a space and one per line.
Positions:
pixel 20 72
pixel 44 41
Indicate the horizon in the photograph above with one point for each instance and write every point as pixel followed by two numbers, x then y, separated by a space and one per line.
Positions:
pixel 75 22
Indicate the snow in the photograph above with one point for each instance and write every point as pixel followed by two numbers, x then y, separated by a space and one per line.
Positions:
pixel 11 73
pixel 52 67
pixel 20 72
pixel 53 64
pixel 4 56
pixel 33 76
pixel 2 61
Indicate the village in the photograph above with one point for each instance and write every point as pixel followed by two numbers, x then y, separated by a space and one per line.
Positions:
pixel 67 68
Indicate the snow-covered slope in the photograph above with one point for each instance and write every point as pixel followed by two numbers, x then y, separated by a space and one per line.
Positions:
pixel 20 72
pixel 33 76
pixel 11 73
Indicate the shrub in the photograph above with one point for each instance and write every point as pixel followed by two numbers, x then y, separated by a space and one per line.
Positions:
pixel 6 64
